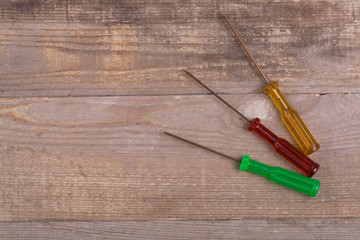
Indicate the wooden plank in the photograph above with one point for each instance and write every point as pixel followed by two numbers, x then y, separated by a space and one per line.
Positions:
pixel 228 229
pixel 95 48
pixel 104 158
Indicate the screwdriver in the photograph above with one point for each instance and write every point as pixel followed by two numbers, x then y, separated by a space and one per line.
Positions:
pixel 303 163
pixel 289 116
pixel 276 174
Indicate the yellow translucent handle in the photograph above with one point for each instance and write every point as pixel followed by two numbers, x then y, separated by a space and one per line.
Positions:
pixel 292 120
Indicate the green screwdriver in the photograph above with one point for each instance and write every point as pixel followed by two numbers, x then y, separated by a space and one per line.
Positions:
pixel 278 175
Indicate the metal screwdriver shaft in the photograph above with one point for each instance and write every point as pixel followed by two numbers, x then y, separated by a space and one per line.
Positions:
pixel 246 50
pixel 203 147
pixel 220 98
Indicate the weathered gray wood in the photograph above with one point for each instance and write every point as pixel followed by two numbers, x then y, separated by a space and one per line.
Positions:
pixel 104 158
pixel 95 48
pixel 338 228
pixel 97 157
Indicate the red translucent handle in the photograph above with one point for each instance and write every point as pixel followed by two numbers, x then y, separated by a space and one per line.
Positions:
pixel 305 165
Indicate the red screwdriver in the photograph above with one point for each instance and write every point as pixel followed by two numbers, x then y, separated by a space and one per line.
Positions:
pixel 298 159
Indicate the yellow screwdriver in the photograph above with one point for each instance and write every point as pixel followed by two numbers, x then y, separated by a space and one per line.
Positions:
pixel 289 116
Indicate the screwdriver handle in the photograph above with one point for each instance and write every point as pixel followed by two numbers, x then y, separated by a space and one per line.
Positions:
pixel 282 176
pixel 292 120
pixel 305 165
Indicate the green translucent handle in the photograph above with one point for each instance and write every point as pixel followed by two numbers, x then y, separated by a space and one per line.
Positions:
pixel 282 176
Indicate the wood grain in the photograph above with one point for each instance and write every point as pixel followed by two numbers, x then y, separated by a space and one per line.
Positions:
pixel 104 158
pixel 95 48
pixel 87 87
pixel 233 229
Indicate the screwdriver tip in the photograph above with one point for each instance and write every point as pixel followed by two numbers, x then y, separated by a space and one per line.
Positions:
pixel 169 134
pixel 190 75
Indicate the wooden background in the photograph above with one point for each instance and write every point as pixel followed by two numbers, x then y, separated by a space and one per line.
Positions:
pixel 87 87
